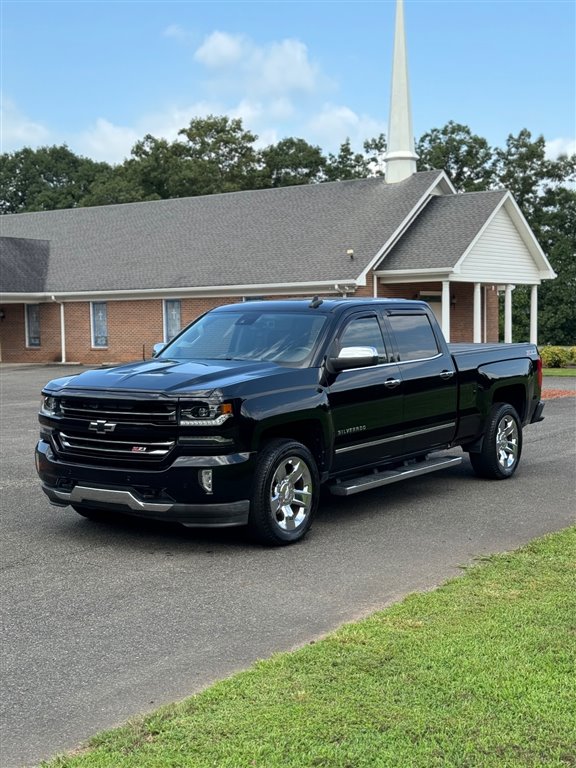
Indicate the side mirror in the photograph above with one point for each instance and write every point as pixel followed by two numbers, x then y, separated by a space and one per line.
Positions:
pixel 157 348
pixel 354 357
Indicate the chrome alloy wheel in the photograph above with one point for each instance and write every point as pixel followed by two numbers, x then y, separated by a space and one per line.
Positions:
pixel 291 493
pixel 507 442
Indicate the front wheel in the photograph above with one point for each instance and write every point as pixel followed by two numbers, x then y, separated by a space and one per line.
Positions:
pixel 285 493
pixel 502 444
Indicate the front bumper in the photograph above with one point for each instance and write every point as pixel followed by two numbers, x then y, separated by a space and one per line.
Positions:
pixel 172 494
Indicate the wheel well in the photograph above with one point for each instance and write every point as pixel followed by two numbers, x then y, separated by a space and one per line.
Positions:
pixel 515 396
pixel 309 433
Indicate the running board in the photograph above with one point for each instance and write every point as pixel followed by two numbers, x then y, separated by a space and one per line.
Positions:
pixel 376 479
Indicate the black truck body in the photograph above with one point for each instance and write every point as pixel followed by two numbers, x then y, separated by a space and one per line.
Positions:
pixel 241 417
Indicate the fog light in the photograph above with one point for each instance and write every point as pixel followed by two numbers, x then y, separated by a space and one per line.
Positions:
pixel 205 479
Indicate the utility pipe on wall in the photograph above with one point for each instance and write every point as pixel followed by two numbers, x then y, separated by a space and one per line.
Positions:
pixel 62 330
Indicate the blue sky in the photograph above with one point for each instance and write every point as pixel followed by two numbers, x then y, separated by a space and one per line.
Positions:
pixel 98 75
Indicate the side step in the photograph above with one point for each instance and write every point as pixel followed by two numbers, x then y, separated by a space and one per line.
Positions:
pixel 387 477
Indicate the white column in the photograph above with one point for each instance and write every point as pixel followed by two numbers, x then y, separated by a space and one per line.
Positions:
pixel 534 315
pixel 477 313
pixel 508 314
pixel 446 309
pixel 62 333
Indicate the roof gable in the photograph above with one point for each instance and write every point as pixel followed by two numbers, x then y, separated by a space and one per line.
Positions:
pixel 474 236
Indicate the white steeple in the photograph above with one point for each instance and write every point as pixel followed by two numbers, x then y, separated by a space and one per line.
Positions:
pixel 400 157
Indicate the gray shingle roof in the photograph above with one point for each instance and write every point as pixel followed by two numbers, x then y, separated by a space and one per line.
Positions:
pixel 24 264
pixel 443 231
pixel 286 235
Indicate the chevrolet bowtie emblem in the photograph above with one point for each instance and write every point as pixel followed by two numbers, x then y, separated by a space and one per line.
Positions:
pixel 101 426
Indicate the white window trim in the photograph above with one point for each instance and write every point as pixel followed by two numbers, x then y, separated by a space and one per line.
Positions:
pixel 93 345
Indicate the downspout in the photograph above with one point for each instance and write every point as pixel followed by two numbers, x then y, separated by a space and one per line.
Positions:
pixel 62 330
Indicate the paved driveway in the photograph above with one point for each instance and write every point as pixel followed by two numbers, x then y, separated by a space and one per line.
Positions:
pixel 103 621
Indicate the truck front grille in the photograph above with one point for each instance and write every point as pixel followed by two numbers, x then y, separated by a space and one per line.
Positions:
pixel 100 429
pixel 120 411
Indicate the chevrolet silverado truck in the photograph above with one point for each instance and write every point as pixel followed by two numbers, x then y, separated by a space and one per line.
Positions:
pixel 242 417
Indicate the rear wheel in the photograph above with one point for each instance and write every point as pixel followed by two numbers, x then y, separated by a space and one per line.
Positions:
pixel 502 444
pixel 285 493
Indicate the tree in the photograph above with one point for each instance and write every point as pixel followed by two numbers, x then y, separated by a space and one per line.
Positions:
pixel 542 187
pixel 558 238
pixel 45 179
pixel 375 149
pixel 523 168
pixel 291 161
pixel 347 164
pixel 466 157
pixel 218 155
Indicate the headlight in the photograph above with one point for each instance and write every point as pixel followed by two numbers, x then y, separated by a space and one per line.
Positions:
pixel 49 405
pixel 204 413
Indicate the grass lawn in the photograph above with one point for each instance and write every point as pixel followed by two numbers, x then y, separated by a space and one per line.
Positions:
pixel 559 371
pixel 480 672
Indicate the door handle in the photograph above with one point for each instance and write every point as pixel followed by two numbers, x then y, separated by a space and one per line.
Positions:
pixel 392 383
pixel 446 375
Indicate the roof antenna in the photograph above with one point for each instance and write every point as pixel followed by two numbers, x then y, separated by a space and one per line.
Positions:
pixel 315 303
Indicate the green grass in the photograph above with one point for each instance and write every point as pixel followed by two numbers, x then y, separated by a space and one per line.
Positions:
pixel 559 371
pixel 480 672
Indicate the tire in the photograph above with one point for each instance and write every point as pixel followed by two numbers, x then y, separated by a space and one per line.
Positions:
pixel 285 493
pixel 502 445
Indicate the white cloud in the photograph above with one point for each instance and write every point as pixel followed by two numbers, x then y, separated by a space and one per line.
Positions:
pixel 176 32
pixel 275 69
pixel 558 147
pixel 220 50
pixel 106 141
pixel 284 68
pixel 335 123
pixel 17 130
pixel 113 143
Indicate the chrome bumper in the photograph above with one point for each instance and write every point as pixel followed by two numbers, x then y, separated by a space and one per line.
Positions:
pixel 209 515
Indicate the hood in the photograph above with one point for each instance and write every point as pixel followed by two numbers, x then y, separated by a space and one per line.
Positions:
pixel 170 377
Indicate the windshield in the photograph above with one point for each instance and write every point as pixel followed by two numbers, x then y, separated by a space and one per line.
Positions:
pixel 287 338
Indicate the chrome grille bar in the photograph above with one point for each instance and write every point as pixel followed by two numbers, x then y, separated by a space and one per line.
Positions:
pixel 123 447
pixel 118 410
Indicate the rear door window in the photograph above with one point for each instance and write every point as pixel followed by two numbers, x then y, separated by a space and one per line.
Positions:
pixel 415 338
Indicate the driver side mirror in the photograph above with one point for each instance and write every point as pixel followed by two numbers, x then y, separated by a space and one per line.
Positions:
pixel 354 357
pixel 157 348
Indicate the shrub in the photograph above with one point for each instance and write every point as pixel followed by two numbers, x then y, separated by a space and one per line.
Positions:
pixel 556 357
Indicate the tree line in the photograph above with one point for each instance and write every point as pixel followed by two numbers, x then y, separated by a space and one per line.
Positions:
pixel 217 154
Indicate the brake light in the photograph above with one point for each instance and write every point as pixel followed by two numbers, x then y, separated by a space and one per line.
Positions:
pixel 539 372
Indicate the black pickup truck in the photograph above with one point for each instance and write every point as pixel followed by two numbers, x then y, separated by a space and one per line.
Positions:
pixel 244 415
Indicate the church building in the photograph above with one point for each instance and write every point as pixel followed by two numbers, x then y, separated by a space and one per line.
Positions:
pixel 103 284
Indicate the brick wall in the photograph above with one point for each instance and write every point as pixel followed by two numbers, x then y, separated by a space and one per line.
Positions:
pixel 135 326
pixel 13 335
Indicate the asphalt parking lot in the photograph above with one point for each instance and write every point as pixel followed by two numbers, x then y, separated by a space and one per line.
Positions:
pixel 103 621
